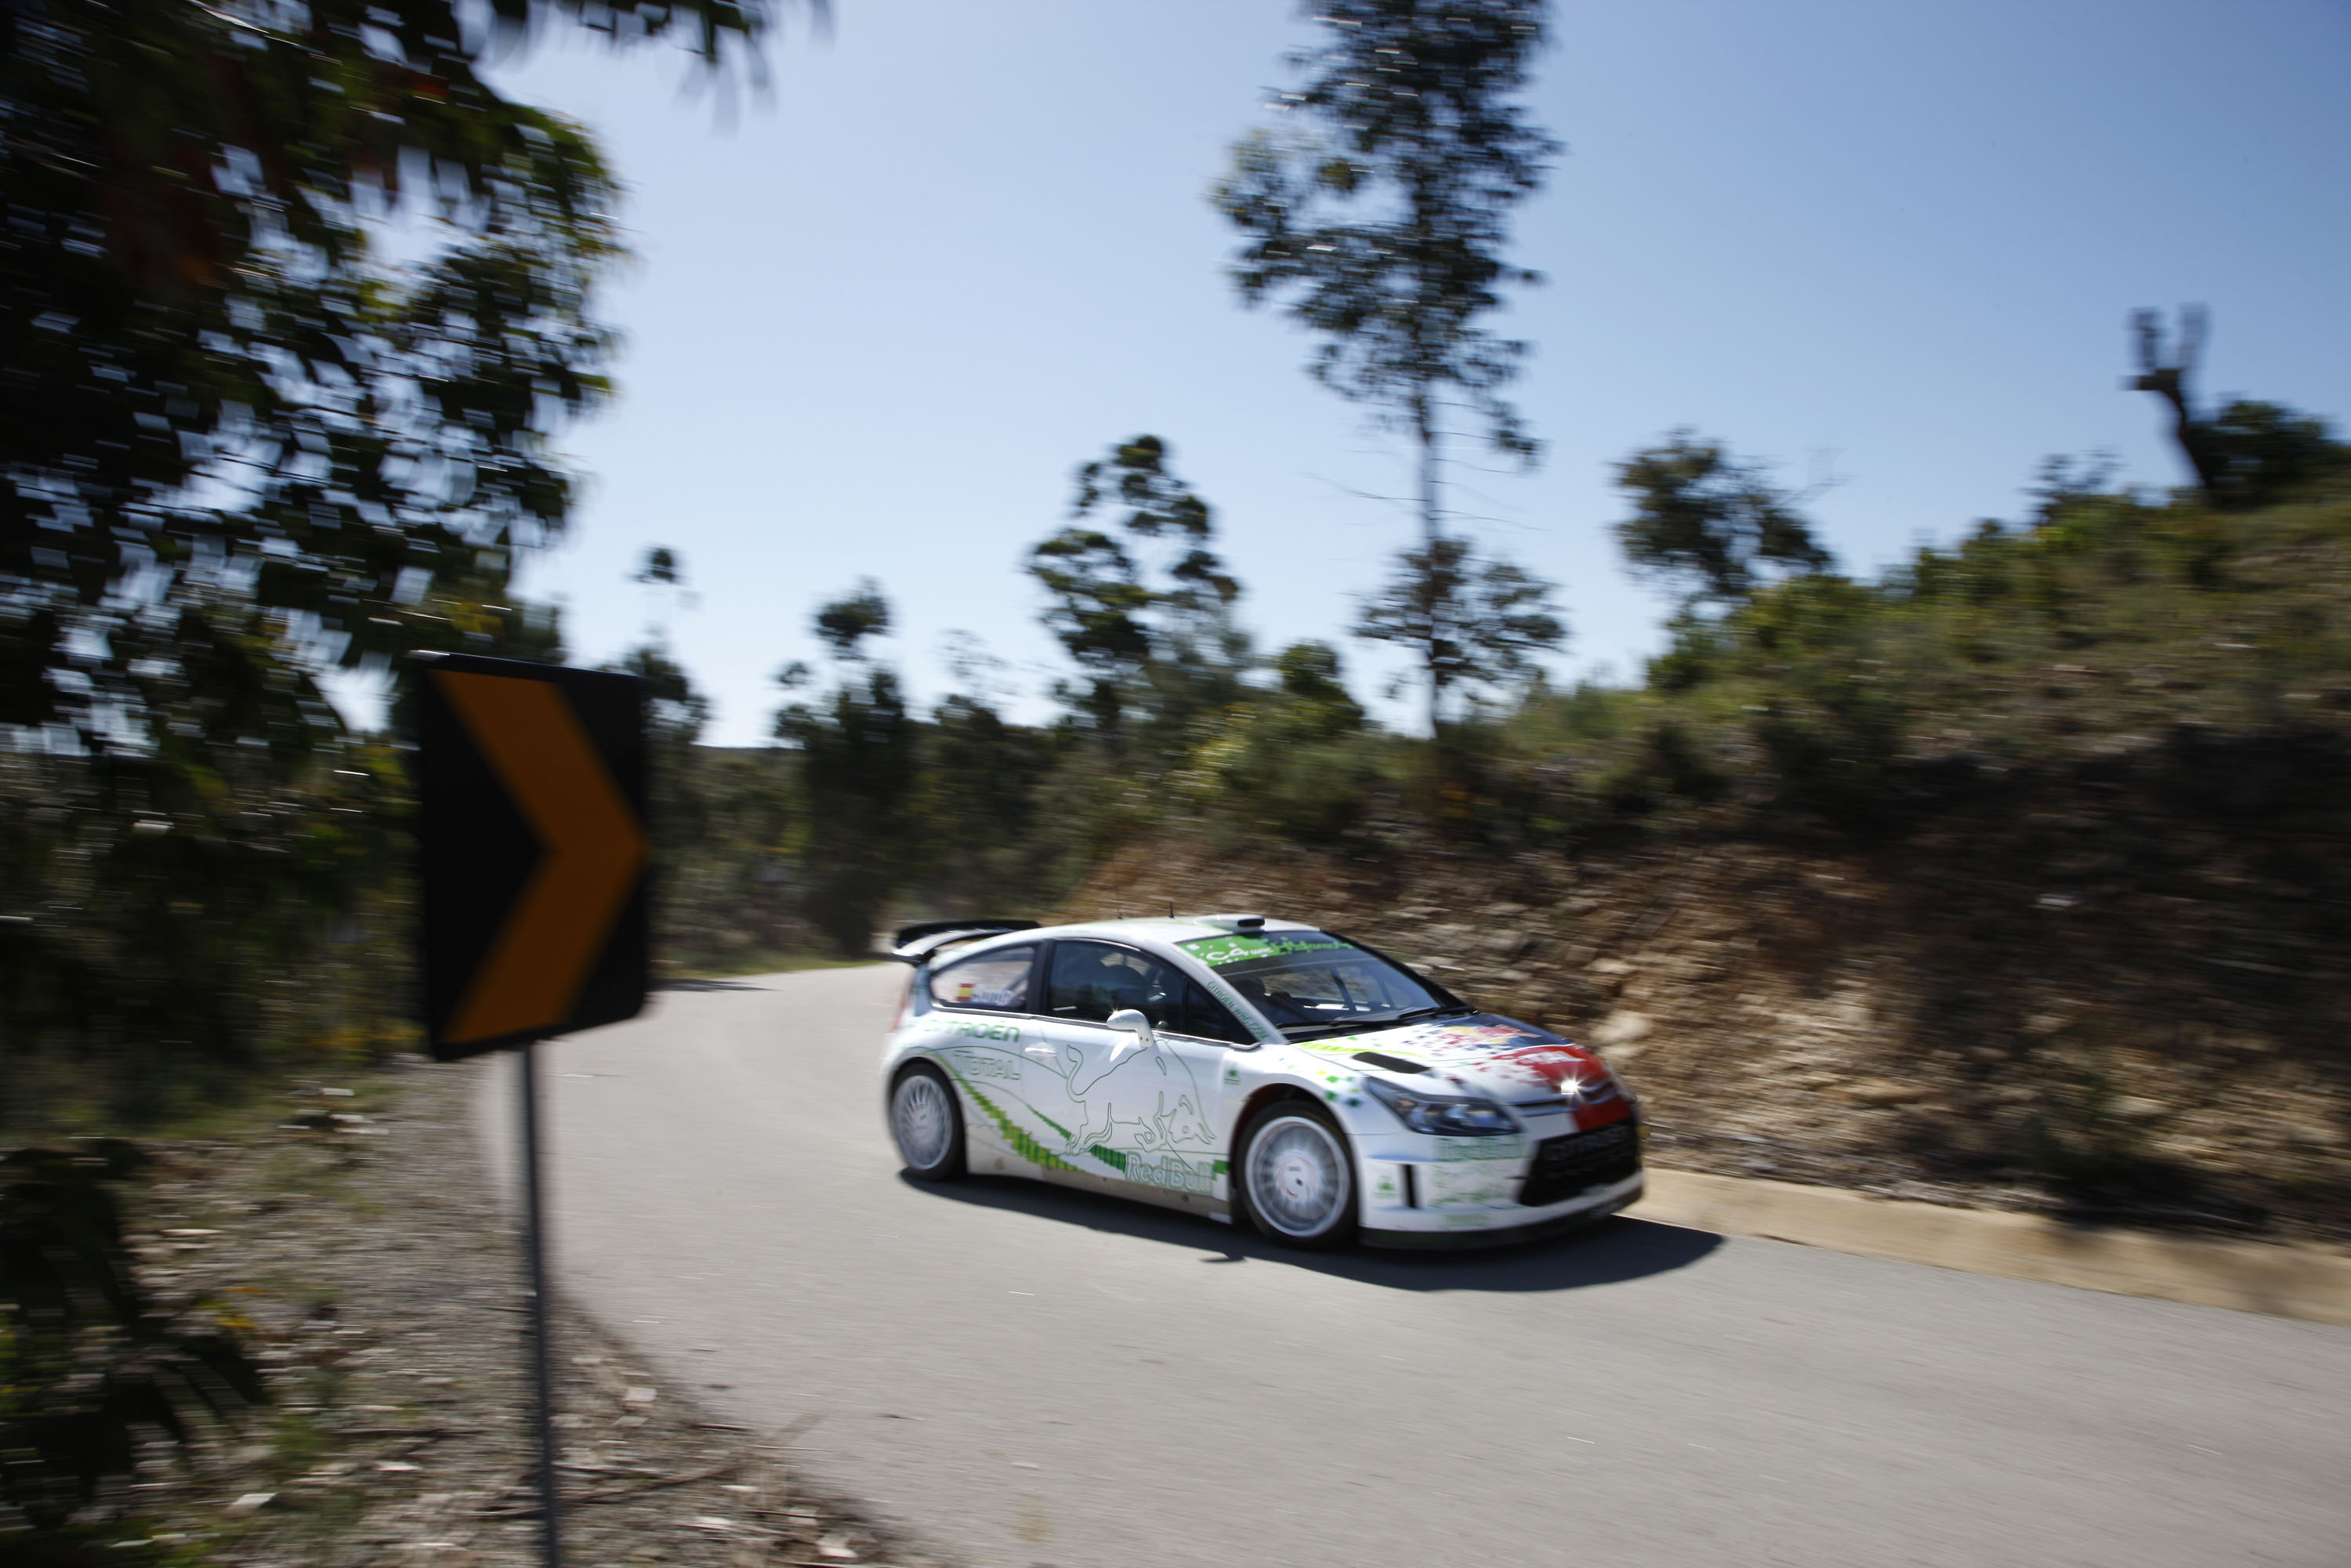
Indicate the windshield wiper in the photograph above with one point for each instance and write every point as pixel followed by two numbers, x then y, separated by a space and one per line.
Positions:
pixel 1382 1021
pixel 1308 1030
pixel 1441 1010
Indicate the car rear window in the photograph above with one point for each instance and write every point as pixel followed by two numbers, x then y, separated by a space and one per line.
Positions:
pixel 997 980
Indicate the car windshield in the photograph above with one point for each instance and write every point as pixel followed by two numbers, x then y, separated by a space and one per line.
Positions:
pixel 1307 982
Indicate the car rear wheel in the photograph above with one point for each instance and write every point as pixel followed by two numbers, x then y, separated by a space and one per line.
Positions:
pixel 926 1123
pixel 1298 1175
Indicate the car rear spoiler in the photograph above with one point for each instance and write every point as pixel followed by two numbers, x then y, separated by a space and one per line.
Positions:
pixel 914 944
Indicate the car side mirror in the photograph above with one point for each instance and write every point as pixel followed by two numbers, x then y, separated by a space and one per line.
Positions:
pixel 1133 1021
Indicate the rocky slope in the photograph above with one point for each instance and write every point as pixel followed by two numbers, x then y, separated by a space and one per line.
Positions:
pixel 2118 992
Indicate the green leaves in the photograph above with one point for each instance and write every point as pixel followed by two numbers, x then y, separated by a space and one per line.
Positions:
pixel 86 1360
pixel 846 622
pixel 240 447
pixel 1476 621
pixel 1710 522
pixel 1118 612
pixel 216 398
pixel 1383 224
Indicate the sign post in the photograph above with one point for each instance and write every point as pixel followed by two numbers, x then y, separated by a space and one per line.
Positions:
pixel 531 797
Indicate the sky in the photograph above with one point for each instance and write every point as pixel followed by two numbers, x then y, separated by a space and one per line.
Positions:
pixel 878 314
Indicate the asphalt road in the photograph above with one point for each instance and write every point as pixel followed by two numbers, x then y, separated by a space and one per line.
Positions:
pixel 1027 1375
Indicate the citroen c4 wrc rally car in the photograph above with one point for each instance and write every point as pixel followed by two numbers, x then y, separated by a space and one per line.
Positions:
pixel 1241 1067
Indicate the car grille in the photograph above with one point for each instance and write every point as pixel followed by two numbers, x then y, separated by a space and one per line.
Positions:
pixel 1566 1165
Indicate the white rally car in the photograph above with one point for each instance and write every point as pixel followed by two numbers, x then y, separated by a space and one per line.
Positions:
pixel 1236 1065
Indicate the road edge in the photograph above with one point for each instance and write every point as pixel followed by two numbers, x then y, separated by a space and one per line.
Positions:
pixel 2310 1284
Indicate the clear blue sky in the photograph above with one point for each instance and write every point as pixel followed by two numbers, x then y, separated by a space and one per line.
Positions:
pixel 876 321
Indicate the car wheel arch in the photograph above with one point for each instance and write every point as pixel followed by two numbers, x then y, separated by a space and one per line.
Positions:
pixel 1267 1095
pixel 916 1059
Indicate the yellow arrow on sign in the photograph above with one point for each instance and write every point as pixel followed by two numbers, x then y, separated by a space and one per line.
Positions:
pixel 591 851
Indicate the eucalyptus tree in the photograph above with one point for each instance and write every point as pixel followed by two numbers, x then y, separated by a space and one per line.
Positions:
pixel 1144 597
pixel 1379 218
pixel 859 769
pixel 1711 522
pixel 1477 621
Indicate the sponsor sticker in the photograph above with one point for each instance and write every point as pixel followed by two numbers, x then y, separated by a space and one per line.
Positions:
pixel 1218 951
pixel 976 1029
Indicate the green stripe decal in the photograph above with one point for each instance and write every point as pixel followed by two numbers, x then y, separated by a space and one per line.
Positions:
pixel 1027 1147
pixel 1111 1157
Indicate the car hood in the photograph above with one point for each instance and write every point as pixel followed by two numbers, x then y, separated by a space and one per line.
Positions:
pixel 1485 1053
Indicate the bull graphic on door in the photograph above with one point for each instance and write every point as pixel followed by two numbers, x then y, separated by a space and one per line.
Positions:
pixel 1143 1099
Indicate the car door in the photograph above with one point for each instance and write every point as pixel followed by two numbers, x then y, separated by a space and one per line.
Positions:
pixel 1143 1112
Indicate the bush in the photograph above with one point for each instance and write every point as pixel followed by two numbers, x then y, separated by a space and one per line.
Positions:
pixel 86 1361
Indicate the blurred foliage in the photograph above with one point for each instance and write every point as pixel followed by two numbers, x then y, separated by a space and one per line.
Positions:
pixel 1794 699
pixel 241 447
pixel 172 929
pixel 88 1364
pixel 1708 522
pixel 1476 623
pixel 1129 621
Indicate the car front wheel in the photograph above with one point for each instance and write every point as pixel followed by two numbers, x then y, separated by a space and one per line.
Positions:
pixel 1298 1175
pixel 926 1123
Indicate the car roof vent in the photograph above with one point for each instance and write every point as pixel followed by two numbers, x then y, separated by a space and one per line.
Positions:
pixel 1239 921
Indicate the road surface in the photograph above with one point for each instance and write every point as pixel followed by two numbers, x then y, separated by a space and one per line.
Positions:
pixel 1026 1376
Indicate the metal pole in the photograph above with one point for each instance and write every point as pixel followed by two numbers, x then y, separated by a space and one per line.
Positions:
pixel 542 1358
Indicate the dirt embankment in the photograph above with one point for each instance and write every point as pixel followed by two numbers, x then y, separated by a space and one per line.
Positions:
pixel 2121 992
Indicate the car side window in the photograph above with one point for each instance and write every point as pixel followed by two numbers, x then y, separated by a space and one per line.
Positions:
pixel 1092 980
pixel 1204 1017
pixel 996 981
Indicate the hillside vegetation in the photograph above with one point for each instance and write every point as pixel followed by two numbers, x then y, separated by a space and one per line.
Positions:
pixel 2018 876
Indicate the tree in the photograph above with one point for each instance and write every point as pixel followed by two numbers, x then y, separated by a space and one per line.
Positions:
pixel 845 624
pixel 859 771
pixel 221 408
pixel 2262 453
pixel 1476 623
pixel 2248 456
pixel 1384 225
pixel 1710 521
pixel 1120 614
pixel 2168 375
pixel 238 446
pixel 1310 678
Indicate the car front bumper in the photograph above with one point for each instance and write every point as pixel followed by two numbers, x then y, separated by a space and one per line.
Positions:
pixel 1492 1225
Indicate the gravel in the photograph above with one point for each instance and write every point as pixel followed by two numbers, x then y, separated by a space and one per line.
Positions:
pixel 354 1230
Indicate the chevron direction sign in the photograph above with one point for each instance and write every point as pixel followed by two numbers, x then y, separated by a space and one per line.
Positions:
pixel 531 822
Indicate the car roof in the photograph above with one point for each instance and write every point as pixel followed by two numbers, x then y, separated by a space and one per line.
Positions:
pixel 1156 931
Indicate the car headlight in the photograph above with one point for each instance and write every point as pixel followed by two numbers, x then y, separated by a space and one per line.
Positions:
pixel 1454 1115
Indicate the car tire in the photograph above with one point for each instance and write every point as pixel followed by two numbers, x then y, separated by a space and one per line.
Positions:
pixel 926 1123
pixel 1296 1176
